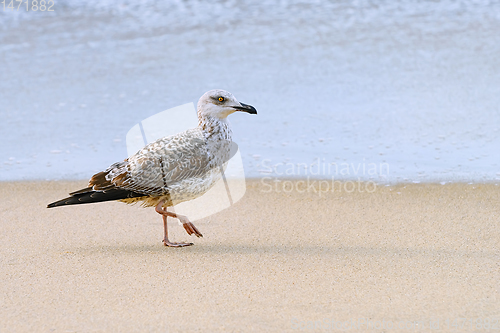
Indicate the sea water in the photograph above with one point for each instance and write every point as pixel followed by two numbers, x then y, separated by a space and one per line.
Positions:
pixel 390 91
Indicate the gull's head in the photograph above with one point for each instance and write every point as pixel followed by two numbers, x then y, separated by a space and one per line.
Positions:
pixel 220 104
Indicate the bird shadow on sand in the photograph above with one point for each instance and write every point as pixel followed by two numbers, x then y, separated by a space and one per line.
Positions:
pixel 280 249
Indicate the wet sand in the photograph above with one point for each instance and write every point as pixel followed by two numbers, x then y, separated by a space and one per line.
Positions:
pixel 409 256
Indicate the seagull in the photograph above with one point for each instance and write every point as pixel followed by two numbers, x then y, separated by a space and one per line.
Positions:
pixel 172 169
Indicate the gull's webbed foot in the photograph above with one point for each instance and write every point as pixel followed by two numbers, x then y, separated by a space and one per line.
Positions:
pixel 191 229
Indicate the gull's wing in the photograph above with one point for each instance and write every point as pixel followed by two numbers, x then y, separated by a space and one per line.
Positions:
pixel 149 172
pixel 159 165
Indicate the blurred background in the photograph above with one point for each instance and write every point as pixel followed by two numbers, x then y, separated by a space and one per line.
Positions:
pixel 414 85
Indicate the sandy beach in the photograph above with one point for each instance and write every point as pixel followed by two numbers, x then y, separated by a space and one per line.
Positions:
pixel 412 257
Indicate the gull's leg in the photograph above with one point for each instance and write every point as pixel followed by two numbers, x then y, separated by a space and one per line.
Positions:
pixel 188 226
pixel 166 242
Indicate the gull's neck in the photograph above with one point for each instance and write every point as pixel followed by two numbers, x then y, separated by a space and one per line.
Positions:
pixel 213 127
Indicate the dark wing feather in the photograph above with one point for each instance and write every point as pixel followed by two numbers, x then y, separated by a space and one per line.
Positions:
pixel 95 196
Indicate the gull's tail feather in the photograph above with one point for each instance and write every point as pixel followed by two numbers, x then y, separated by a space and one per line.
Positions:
pixel 88 195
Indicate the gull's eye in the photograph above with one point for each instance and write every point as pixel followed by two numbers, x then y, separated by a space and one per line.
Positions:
pixel 221 99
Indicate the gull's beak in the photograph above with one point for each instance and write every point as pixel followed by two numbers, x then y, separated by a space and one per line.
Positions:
pixel 245 108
